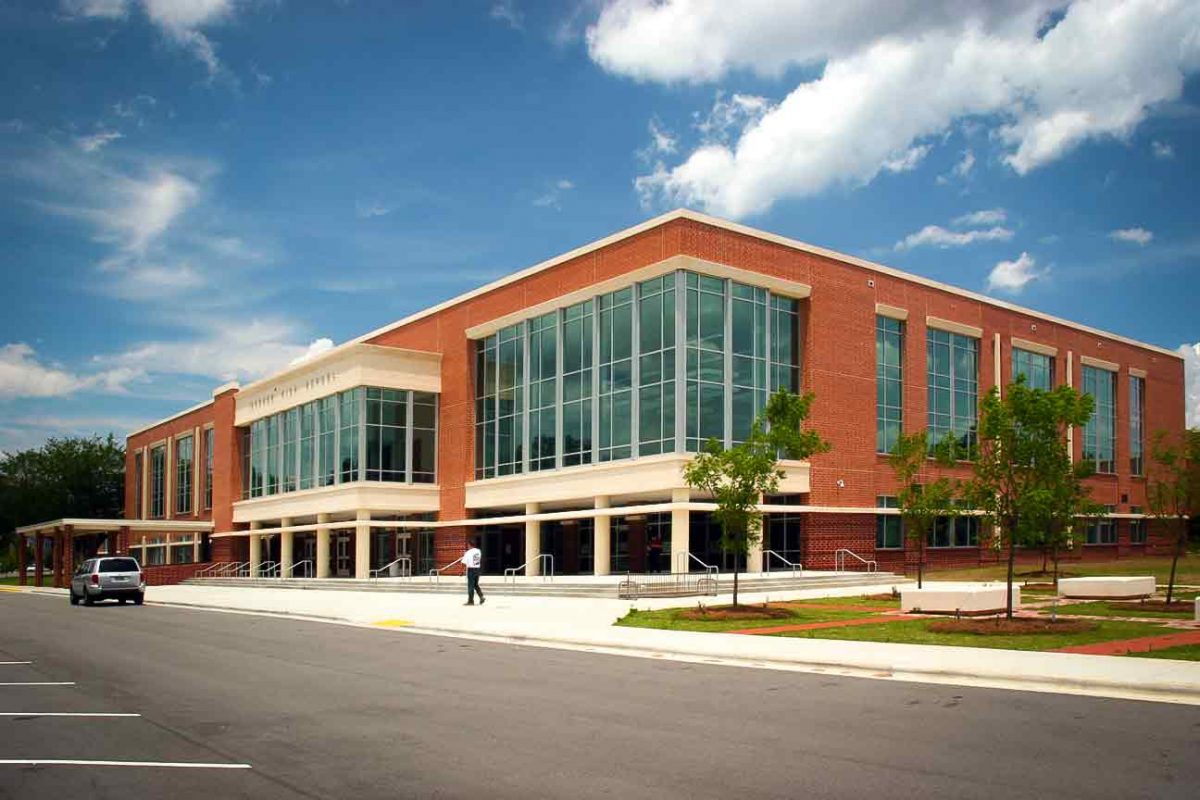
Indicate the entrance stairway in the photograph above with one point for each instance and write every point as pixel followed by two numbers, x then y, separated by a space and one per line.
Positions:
pixel 628 586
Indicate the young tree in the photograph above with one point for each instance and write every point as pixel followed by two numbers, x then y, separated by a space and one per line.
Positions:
pixel 1173 493
pixel 1020 460
pixel 922 501
pixel 1064 503
pixel 739 477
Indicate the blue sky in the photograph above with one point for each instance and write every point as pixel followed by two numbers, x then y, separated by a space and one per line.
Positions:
pixel 204 190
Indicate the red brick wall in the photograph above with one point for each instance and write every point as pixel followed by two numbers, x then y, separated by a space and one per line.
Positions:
pixel 167 574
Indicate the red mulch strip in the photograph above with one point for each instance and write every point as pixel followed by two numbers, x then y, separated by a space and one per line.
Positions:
pixel 1154 605
pixel 723 613
pixel 812 626
pixel 1143 645
pixel 1009 627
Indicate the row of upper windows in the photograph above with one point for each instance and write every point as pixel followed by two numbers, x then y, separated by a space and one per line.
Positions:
pixel 952 383
pixel 183 467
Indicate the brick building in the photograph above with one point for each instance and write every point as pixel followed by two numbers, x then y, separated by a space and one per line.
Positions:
pixel 550 412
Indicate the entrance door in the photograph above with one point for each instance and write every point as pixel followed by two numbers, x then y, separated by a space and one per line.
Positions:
pixel 341 557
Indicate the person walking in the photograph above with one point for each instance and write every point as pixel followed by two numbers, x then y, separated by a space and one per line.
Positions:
pixel 472 560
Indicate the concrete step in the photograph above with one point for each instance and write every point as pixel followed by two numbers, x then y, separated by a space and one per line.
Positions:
pixel 564 586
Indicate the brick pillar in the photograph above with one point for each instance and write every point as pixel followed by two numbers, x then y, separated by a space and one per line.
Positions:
pixel 533 542
pixel 21 559
pixel 68 555
pixel 39 556
pixel 56 560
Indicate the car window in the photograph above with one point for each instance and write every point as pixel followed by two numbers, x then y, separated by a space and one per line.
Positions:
pixel 84 568
pixel 118 565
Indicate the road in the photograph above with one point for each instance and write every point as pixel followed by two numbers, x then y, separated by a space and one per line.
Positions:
pixel 323 710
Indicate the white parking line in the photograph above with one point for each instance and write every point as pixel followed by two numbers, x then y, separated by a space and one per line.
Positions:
pixel 62 762
pixel 13 663
pixel 38 683
pixel 63 714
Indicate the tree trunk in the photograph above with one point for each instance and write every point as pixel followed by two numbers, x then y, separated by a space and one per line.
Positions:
pixel 1012 557
pixel 1056 567
pixel 1045 553
pixel 921 562
pixel 1180 540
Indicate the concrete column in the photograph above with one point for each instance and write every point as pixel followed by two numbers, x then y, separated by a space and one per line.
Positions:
pixel 255 550
pixel 602 539
pixel 533 542
pixel 286 541
pixel 754 553
pixel 681 529
pixel 56 560
pixel 21 559
pixel 196 547
pixel 39 555
pixel 322 546
pixel 362 546
pixel 168 556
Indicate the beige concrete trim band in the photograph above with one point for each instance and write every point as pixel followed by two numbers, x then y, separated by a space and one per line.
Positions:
pixel 951 326
pixel 1137 373
pixel 891 312
pixel 1099 363
pixel 1033 347
pixel 85 526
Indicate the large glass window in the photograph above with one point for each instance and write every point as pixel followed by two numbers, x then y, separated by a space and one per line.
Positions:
pixel 1137 527
pixel 158 475
pixel 785 344
pixel 656 366
pixel 705 373
pixel 291 450
pixel 308 446
pixel 748 329
pixel 1100 432
pixel 1137 411
pixel 209 445
pixel 485 408
pixel 543 391
pixel 510 409
pixel 387 438
pixel 952 363
pixel 1037 368
pixel 1103 530
pixel 615 394
pixel 327 441
pixel 577 384
pixel 139 468
pixel 424 437
pixel 348 434
pixel 889 382
pixel 889 528
pixel 271 457
pixel 185 454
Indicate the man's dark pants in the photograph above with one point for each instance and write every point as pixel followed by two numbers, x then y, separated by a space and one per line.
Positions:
pixel 473 585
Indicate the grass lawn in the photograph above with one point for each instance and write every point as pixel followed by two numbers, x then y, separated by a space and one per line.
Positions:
pixel 917 632
pixel 672 619
pixel 11 580
pixel 1102 608
pixel 1187 652
pixel 1158 566
pixel 857 600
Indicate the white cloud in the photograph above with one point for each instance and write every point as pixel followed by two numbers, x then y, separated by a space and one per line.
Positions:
pixel 315 348
pixel 552 197
pixel 23 375
pixel 895 73
pixel 988 216
pixel 179 20
pixel 506 11
pixel 908 160
pixel 965 165
pixel 90 144
pixel 1138 236
pixel 1012 276
pixel 1162 150
pixel 372 208
pixel 1191 371
pixel 661 139
pixel 937 236
pixel 564 185
pixel 726 117
pixel 96 9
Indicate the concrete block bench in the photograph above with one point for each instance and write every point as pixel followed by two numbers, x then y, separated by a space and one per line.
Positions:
pixel 1115 587
pixel 985 598
pixel 1198 608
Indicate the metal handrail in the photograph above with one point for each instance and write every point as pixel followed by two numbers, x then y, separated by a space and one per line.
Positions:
pixel 266 568
pixel 406 572
pixel 681 560
pixel 797 569
pixel 839 560
pixel 308 570
pixel 541 558
pixel 232 569
pixel 211 570
pixel 435 574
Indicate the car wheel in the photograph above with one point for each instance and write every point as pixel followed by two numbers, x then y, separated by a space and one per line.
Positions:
pixel 138 598
pixel 121 600
pixel 74 599
pixel 88 600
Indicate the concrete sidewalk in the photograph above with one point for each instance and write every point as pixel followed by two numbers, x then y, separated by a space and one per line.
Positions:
pixel 587 624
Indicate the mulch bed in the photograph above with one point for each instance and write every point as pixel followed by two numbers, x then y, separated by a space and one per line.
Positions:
pixel 1154 605
pixel 1039 587
pixel 721 613
pixel 1009 627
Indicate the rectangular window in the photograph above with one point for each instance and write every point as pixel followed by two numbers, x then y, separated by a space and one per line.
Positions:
pixel 1137 413
pixel 785 344
pixel 209 445
pixel 290 433
pixel 577 384
pixel 748 333
pixel 158 475
pixel 955 532
pixel 615 395
pixel 1037 368
pixel 247 460
pixel 349 468
pixel 510 400
pixel 327 450
pixel 387 437
pixel 485 408
pixel 656 365
pixel 308 446
pixel 424 437
pixel 138 488
pixel 272 460
pixel 888 527
pixel 258 446
pixel 889 382
pixel 184 465
pixel 1103 530
pixel 1100 433
pixel 705 366
pixel 952 364
pixel 543 391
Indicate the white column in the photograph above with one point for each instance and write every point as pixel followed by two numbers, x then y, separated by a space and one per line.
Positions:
pixel 255 550
pixel 322 546
pixel 1071 383
pixel 533 542
pixel 196 547
pixel 167 556
pixel 681 529
pixel 286 557
pixel 996 364
pixel 362 546
pixel 754 553
pixel 602 539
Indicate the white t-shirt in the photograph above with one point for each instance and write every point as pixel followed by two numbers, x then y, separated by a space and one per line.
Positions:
pixel 472 558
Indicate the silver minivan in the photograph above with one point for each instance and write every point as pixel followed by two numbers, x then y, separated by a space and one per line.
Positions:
pixel 108 578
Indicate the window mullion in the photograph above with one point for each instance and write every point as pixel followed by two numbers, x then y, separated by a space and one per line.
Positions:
pixel 559 319
pixel 408 437
pixel 681 353
pixel 727 359
pixel 525 381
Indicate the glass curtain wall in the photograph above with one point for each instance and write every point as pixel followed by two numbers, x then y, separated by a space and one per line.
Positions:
pixel 158 474
pixel 602 380
pixel 184 455
pixel 889 377
pixel 1100 432
pixel 209 445
pixel 365 433
pixel 1037 368
pixel 1137 411
pixel 952 361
